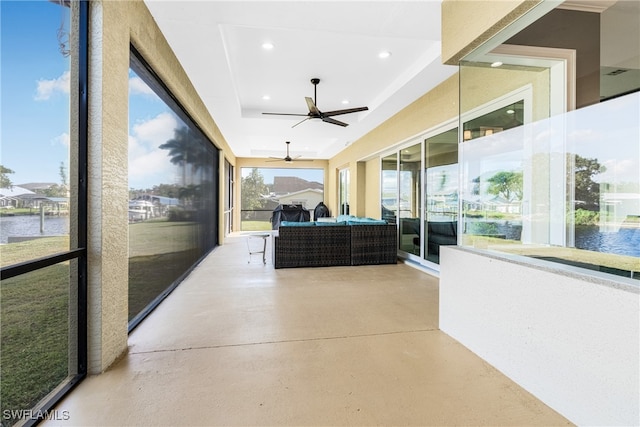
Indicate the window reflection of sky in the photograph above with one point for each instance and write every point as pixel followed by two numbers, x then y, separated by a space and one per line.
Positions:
pixel 151 124
pixel 608 132
pixel 484 157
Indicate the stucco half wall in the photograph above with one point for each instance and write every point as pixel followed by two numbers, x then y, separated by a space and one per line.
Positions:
pixel 571 340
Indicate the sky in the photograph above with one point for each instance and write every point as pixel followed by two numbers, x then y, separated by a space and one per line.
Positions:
pixel 313 175
pixel 34 91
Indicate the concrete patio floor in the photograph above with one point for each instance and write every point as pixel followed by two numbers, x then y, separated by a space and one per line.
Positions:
pixel 239 343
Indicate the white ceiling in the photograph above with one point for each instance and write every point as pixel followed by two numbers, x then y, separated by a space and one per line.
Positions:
pixel 219 44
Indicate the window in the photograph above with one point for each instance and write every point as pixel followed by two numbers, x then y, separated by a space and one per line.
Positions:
pixel 564 185
pixel 420 194
pixel 410 200
pixel 229 196
pixel 343 192
pixel 441 193
pixel 43 205
pixel 389 188
pixel 264 189
pixel 173 182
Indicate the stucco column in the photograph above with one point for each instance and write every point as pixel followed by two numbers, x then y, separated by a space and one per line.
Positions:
pixel 107 183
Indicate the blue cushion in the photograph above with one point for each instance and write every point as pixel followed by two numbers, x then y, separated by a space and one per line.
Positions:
pixel 344 218
pixel 366 221
pixel 328 224
pixel 297 224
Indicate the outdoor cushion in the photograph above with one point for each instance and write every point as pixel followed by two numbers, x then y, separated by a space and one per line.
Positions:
pixel 297 224
pixel 366 221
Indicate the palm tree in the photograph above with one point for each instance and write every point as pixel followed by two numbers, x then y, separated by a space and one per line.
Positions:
pixel 179 150
pixel 188 148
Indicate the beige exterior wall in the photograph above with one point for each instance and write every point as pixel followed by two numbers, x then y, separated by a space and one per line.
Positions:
pixel 362 156
pixel 466 24
pixel 114 25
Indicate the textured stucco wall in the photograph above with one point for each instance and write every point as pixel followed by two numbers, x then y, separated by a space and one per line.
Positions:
pixel 114 26
pixel 372 203
pixel 466 24
pixel 108 189
pixel 571 340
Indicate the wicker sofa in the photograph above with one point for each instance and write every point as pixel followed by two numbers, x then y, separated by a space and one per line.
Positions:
pixel 335 244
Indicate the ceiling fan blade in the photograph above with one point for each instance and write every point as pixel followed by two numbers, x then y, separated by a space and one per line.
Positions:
pixel 285 114
pixel 334 121
pixel 312 107
pixel 347 111
pixel 300 122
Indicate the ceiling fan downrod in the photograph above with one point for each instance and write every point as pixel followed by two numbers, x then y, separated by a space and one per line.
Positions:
pixel 315 82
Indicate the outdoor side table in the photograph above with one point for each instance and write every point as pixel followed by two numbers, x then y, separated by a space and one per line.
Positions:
pixel 262 249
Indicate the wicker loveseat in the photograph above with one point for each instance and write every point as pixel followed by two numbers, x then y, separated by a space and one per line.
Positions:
pixel 335 244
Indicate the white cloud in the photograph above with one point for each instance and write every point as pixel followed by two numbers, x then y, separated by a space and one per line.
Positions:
pixel 47 88
pixel 149 165
pixel 138 87
pixel 157 130
pixel 62 139
pixel 620 170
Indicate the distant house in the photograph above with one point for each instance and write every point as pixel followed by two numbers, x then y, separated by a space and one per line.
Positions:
pixel 12 197
pixel 151 205
pixel 37 187
pixel 292 184
pixel 52 205
pixel 308 198
pixel 291 190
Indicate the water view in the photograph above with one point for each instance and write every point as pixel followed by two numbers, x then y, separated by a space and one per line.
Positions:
pixel 625 241
pixel 29 225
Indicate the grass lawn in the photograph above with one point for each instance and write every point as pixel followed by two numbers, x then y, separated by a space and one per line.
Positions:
pixel 255 226
pixel 14 253
pixel 150 275
pixel 160 237
pixel 34 314
pixel 159 253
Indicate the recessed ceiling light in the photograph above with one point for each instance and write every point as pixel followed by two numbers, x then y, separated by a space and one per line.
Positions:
pixel 510 111
pixel 267 45
pixel 266 97
pixel 345 101
pixel 496 64
pixel 384 54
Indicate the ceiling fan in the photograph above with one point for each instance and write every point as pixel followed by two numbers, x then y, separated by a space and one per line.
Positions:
pixel 315 113
pixel 287 158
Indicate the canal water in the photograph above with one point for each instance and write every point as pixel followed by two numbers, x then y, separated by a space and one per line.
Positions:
pixel 29 225
pixel 625 241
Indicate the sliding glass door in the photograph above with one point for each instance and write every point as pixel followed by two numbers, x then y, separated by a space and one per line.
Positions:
pixel 441 193
pixel 420 194
pixel 410 205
